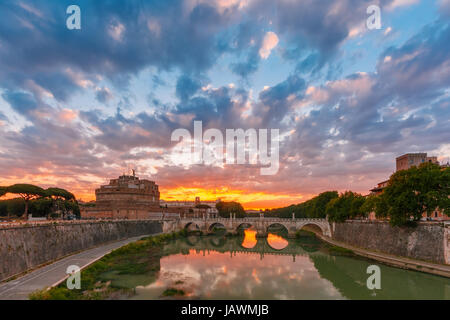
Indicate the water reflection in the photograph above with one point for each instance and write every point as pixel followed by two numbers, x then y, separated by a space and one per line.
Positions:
pixel 276 242
pixel 249 239
pixel 276 268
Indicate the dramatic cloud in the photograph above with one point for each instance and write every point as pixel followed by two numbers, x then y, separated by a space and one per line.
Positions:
pixel 270 41
pixel 80 106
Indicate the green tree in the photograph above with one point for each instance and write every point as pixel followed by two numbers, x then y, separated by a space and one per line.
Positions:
pixel 369 205
pixel 312 208
pixel 58 193
pixel 62 200
pixel 3 208
pixel 355 207
pixel 41 207
pixel 225 208
pixel 346 206
pixel 3 191
pixel 377 204
pixel 320 204
pixel 418 190
pixel 15 207
pixel 27 192
pixel 3 204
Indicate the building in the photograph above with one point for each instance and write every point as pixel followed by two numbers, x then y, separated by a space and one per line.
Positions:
pixel 405 162
pixel 408 160
pixel 129 189
pixel 379 188
pixel 195 208
pixel 127 197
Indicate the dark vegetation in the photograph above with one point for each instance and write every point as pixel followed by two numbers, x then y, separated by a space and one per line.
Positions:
pixel 170 292
pixel 412 192
pixel 409 194
pixel 313 208
pixel 227 208
pixel 51 202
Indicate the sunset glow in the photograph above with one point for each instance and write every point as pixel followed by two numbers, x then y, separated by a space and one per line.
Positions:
pixel 277 242
pixel 249 238
pixel 250 200
pixel 74 115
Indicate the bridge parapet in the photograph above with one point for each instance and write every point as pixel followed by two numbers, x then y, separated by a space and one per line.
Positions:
pixel 261 224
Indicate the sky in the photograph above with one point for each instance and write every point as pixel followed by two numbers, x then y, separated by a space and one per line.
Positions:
pixel 80 107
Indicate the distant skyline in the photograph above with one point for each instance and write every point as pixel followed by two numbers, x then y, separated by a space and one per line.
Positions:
pixel 79 107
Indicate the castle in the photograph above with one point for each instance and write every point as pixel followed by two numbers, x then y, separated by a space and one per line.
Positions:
pixel 129 197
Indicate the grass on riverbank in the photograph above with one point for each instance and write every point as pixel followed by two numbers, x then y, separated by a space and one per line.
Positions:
pixel 311 238
pixel 117 273
pixel 170 292
pixel 335 250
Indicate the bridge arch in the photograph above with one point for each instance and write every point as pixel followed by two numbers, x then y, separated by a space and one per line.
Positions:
pixel 244 225
pixel 191 225
pixel 284 226
pixel 216 225
pixel 315 227
pixel 276 242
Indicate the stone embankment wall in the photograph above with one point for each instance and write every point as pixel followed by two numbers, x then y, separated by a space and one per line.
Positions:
pixel 429 241
pixel 25 247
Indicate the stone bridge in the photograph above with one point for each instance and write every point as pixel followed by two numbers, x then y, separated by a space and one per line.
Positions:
pixel 261 225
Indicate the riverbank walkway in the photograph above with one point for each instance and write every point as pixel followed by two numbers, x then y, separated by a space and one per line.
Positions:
pixel 53 273
pixel 402 262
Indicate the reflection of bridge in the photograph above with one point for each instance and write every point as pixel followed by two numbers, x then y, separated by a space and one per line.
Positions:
pixel 233 245
pixel 261 225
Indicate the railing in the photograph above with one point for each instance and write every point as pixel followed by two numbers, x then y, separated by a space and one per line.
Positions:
pixel 166 216
pixel 253 219
pixel 25 223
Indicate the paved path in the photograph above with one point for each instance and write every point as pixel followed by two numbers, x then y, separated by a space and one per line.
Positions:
pixel 403 262
pixel 51 274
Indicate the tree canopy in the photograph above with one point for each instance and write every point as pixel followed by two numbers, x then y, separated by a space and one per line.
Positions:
pixel 413 192
pixel 225 208
pixel 26 191
pixel 3 191
pixel 58 193
pixel 37 200
pixel 346 206
pixel 313 208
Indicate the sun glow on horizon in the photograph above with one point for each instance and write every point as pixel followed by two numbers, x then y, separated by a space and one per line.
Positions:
pixel 249 200
pixel 85 191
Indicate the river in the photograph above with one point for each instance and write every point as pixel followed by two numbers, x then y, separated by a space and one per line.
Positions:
pixel 246 267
